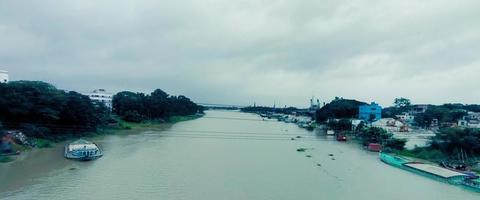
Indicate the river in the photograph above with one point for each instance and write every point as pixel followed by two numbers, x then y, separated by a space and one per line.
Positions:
pixel 224 155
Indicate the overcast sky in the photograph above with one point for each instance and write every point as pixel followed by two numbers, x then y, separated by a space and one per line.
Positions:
pixel 245 51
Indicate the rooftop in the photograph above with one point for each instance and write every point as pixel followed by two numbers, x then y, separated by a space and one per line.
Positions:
pixel 82 145
pixel 439 171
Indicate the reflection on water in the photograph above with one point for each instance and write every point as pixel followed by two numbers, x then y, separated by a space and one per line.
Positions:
pixel 216 158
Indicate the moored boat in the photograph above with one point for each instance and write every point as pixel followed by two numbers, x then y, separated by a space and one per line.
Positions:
pixel 82 150
pixel 432 171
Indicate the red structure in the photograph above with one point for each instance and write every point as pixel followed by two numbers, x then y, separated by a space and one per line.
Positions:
pixel 375 147
pixel 341 138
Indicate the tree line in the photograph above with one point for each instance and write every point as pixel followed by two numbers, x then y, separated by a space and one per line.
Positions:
pixel 158 105
pixel 339 108
pixel 41 110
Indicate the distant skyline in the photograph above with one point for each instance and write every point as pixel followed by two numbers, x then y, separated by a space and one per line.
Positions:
pixel 246 51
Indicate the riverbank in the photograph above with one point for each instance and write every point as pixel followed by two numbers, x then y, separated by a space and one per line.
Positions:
pixel 431 156
pixel 121 128
pixel 35 163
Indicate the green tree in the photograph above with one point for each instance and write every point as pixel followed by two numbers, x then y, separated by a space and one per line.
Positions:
pixel 402 102
pixel 340 125
pixel 339 108
pixel 42 110
pixel 124 102
pixel 453 140
pixel 395 144
pixel 158 105
pixel 374 135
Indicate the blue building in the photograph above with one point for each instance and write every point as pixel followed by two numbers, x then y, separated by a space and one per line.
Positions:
pixel 372 112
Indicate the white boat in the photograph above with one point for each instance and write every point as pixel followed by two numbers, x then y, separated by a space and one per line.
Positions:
pixel 82 150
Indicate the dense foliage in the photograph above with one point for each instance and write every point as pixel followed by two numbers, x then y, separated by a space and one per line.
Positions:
pixel 402 102
pixel 401 105
pixel 381 136
pixel 451 145
pixel 374 135
pixel 446 113
pixel 136 107
pixel 459 106
pixel 443 113
pixel 340 125
pixel 339 108
pixel 42 110
pixel 452 141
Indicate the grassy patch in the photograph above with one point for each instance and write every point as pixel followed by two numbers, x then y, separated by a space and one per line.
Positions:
pixel 125 126
pixel 5 159
pixel 175 119
pixel 43 143
pixel 427 154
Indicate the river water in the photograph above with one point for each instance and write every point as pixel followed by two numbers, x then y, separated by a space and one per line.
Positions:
pixel 227 155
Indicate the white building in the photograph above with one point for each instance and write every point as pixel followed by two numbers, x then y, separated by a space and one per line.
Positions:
pixel 472 120
pixel 102 96
pixel 472 116
pixel 3 76
pixel 391 125
pixel 406 117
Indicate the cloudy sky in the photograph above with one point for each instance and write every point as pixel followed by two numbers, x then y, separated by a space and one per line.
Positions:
pixel 245 51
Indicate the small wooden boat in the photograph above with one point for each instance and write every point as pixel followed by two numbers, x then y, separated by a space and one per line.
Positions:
pixel 431 171
pixel 82 150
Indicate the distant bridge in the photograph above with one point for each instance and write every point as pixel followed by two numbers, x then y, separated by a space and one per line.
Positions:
pixel 217 105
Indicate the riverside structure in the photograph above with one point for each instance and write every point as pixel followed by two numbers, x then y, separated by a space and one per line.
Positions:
pixel 432 171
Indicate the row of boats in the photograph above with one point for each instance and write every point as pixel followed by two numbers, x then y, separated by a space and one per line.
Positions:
pixel 468 180
pixel 301 121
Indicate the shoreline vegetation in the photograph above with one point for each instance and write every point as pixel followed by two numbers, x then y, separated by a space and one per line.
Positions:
pixel 452 146
pixel 123 128
pixel 37 115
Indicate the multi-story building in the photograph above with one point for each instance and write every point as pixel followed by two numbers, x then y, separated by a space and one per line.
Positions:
pixel 3 76
pixel 372 112
pixel 471 120
pixel 473 116
pixel 102 96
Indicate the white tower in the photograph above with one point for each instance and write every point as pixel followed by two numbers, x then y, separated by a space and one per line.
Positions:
pixel 3 76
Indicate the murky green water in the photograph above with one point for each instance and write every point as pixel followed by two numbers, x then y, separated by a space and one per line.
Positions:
pixel 229 159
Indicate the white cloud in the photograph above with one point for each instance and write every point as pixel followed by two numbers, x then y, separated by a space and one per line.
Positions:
pixel 237 52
